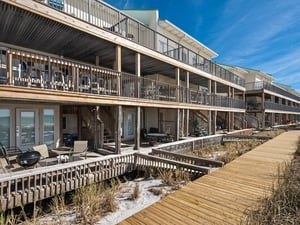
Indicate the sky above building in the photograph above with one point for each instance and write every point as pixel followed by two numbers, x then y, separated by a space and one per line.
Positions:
pixel 257 34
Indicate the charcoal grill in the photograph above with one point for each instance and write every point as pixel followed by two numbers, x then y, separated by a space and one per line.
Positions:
pixel 28 159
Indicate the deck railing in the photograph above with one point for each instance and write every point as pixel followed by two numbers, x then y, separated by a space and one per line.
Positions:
pixel 191 145
pixel 52 73
pixel 268 86
pixel 108 18
pixel 281 107
pixel 31 185
pixel 27 186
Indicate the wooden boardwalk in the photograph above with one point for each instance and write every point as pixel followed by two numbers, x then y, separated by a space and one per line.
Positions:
pixel 222 196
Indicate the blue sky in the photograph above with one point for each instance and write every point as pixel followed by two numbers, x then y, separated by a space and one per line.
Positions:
pixel 258 34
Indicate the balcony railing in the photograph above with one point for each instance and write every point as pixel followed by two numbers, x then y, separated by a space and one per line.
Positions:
pixel 106 17
pixel 281 107
pixel 268 86
pixel 44 72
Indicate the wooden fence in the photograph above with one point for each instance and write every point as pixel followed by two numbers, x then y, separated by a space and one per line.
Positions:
pixel 27 186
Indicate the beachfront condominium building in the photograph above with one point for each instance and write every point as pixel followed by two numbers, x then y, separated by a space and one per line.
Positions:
pixel 81 69
pixel 267 103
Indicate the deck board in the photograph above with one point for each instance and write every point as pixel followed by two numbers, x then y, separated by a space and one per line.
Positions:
pixel 222 196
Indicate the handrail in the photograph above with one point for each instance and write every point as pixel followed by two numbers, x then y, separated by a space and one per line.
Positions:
pixel 23 187
pixel 186 158
pixel 276 106
pixel 157 162
pixel 53 73
pixel 268 86
pixel 110 19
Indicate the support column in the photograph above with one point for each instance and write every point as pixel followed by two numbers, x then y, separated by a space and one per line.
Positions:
pixel 187 80
pixel 177 77
pixel 118 128
pixel 177 125
pixel 9 75
pixel 263 114
pixel 209 128
pixel 209 92
pixel 229 127
pixel 137 139
pixel 138 74
pixel 118 67
pixel 183 123
pixel 214 122
pixel 187 122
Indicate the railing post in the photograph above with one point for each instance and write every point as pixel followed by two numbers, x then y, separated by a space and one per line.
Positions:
pixel 89 11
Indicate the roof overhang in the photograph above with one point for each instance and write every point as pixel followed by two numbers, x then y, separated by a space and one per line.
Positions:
pixel 184 37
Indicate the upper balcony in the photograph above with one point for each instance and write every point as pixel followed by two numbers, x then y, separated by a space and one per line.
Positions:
pixel 110 19
pixel 49 73
pixel 270 87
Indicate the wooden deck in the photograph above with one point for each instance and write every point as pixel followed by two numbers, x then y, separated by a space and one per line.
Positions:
pixel 222 196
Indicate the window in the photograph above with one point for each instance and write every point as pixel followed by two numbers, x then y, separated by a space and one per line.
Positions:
pixel 57 4
pixel 5 127
pixel 49 123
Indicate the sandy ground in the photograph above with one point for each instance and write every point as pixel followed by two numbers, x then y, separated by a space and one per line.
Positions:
pixel 127 206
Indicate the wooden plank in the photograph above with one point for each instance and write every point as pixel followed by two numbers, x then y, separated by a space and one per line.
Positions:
pixel 222 196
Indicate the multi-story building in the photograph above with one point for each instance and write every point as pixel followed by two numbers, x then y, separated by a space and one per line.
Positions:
pixel 85 70
pixel 267 103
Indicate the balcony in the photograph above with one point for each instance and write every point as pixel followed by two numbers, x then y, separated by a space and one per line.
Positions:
pixel 270 87
pixel 281 107
pixel 43 72
pixel 108 18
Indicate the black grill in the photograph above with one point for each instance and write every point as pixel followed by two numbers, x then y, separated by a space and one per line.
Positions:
pixel 29 158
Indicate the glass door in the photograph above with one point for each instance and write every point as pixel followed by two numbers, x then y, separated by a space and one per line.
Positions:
pixel 27 132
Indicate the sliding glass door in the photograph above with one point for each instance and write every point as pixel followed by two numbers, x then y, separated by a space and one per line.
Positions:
pixel 27 132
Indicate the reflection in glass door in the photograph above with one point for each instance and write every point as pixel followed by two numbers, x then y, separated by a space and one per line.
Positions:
pixel 27 128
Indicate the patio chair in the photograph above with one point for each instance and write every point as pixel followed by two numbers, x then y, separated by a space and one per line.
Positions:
pixel 80 148
pixel 43 150
pixel 4 161
pixel 5 157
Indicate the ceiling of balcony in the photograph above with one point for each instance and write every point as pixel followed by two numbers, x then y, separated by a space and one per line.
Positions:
pixel 23 28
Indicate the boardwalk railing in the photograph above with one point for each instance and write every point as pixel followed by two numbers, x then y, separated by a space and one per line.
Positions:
pixel 27 186
pixel 186 159
pixel 31 185
pixel 146 161
pixel 191 145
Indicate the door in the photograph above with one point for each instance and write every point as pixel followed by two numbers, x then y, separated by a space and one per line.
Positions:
pixel 27 132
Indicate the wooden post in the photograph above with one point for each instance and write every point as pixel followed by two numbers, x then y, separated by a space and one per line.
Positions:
pixel 118 127
pixel 263 114
pixel 209 128
pixel 187 122
pixel 118 67
pixel 10 77
pixel 214 121
pixel 138 74
pixel 187 80
pixel 177 76
pixel 137 138
pixel 177 125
